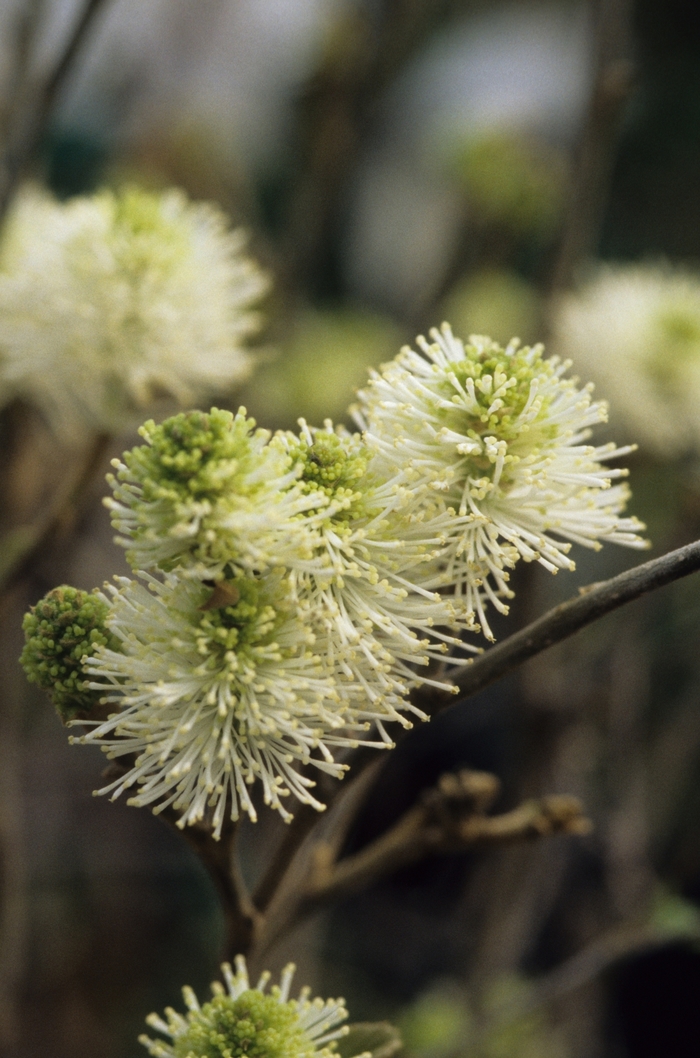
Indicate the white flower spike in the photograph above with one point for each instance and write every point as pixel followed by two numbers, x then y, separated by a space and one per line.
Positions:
pixel 208 495
pixel 217 686
pixel 491 444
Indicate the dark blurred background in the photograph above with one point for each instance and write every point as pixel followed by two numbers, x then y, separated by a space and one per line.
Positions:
pixel 397 162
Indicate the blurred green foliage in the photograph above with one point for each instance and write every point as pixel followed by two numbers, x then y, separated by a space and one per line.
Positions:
pixel 497 302
pixel 506 1021
pixel 316 372
pixel 512 180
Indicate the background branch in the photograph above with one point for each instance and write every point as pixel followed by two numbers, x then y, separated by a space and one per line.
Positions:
pixel 280 885
pixel 450 817
pixel 27 125
pixel 594 156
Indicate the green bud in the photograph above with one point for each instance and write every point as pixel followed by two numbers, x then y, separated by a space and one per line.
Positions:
pixel 60 631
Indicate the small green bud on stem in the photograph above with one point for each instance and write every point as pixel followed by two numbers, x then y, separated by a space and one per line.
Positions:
pixel 60 631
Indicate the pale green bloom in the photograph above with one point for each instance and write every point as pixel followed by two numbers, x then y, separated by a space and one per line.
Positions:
pixel 490 444
pixel 117 302
pixel 241 1020
pixel 217 687
pixel 209 495
pixel 635 329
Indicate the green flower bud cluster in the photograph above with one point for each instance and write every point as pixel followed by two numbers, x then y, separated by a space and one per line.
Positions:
pixel 193 455
pixel 65 627
pixel 335 467
pixel 244 1022
pixel 253 1026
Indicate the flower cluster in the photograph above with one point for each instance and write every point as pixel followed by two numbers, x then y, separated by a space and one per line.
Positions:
pixel 292 590
pixel 116 303
pixel 491 444
pixel 240 1020
pixel 636 330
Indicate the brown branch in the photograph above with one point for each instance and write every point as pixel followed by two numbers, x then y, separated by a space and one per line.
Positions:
pixel 29 125
pixel 304 821
pixel 26 24
pixel 219 859
pixel 451 818
pixel 612 85
pixel 570 617
pixel 335 113
pixel 241 920
pixel 24 545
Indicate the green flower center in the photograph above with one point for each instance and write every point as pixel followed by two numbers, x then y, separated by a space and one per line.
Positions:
pixel 253 1026
pixel 65 626
pixel 193 456
pixel 235 616
pixel 677 345
pixel 147 239
pixel 496 372
pixel 337 467
pixel 502 388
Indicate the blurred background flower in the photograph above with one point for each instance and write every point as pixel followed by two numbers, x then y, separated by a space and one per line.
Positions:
pixel 636 331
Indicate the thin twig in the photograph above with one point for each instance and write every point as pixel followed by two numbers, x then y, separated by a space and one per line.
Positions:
pixel 450 818
pixel 592 167
pixel 570 617
pixel 218 857
pixel 27 22
pixel 304 821
pixel 290 883
pixel 29 127
pixel 38 536
pixel 421 832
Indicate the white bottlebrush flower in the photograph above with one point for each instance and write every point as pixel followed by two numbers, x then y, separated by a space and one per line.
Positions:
pixel 363 580
pixel 112 303
pixel 217 687
pixel 240 1020
pixel 491 446
pixel 208 494
pixel 635 330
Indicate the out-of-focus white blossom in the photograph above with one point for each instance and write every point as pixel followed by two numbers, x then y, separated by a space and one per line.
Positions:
pixel 635 330
pixel 116 303
pixel 491 446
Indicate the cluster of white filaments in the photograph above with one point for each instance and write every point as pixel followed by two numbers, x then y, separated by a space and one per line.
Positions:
pixel 491 443
pixel 293 590
pixel 211 699
pixel 240 1019
pixel 117 303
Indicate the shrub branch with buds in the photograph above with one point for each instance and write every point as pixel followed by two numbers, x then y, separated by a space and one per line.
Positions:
pixel 291 591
